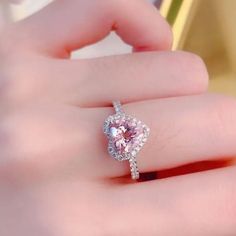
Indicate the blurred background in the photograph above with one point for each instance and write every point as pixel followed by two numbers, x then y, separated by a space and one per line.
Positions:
pixel 205 27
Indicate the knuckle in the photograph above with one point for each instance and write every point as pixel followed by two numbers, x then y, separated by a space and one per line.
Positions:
pixel 224 113
pixel 195 70
pixel 14 67
pixel 21 78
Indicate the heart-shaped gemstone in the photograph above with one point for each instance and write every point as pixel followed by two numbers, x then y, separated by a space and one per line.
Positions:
pixel 126 136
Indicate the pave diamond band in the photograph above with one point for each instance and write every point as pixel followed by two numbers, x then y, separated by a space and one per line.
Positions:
pixel 117 106
pixel 126 136
pixel 133 168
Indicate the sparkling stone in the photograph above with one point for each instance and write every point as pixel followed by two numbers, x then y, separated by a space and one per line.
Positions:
pixel 114 132
pixel 125 135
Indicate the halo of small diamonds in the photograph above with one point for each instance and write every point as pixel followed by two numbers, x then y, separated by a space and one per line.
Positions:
pixel 131 135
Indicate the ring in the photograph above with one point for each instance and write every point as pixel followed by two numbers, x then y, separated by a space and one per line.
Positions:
pixel 126 136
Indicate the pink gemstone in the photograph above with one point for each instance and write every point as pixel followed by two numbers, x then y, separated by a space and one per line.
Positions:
pixel 125 135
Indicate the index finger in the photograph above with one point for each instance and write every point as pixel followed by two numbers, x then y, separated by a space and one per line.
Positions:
pixel 64 26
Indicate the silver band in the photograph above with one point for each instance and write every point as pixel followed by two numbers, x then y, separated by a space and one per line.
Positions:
pixel 117 106
pixel 133 168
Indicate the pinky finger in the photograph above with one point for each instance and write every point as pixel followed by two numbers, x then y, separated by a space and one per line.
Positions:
pixel 190 205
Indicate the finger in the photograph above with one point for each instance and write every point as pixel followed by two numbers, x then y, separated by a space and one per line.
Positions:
pixel 64 26
pixel 128 78
pixel 138 77
pixel 38 138
pixel 197 204
pixel 183 130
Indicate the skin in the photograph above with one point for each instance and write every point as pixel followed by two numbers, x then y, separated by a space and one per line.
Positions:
pixel 55 174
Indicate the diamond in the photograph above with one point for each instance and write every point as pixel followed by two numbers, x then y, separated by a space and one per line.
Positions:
pixel 126 135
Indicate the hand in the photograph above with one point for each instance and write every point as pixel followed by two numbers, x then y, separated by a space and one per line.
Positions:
pixel 56 175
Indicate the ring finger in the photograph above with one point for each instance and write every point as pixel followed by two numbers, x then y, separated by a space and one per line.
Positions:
pixel 183 130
